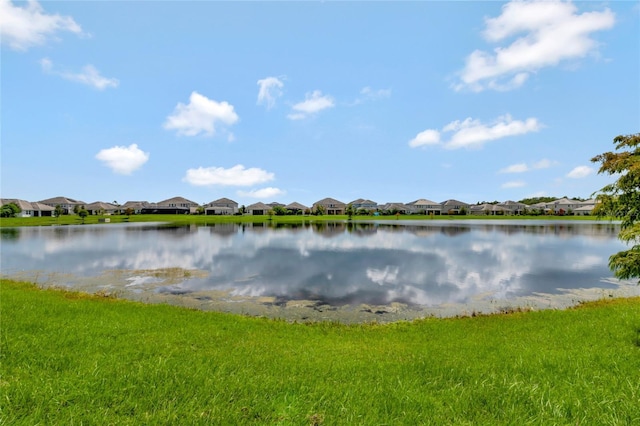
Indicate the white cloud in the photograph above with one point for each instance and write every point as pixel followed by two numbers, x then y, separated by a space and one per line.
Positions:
pixel 200 116
pixel 24 27
pixel 375 94
pixel 314 102
pixel 549 32
pixel 427 137
pixel 523 167
pixel 234 176
pixel 471 133
pixel 543 164
pixel 122 159
pixel 580 172
pixel 514 184
pixel 89 75
pixel 263 193
pixel 269 91
pixel 515 168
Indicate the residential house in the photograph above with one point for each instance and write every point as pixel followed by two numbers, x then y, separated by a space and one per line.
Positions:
pixel 513 207
pixel 102 208
pixel 362 204
pixel 454 207
pixel 330 206
pixel 424 206
pixel 563 206
pixel 179 202
pixel 488 209
pixel 67 204
pixel 135 206
pixel 222 206
pixel 586 208
pixel 541 207
pixel 394 208
pixel 296 208
pixel 29 209
pixel 258 209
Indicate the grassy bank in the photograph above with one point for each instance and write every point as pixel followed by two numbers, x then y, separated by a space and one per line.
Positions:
pixel 202 219
pixel 69 358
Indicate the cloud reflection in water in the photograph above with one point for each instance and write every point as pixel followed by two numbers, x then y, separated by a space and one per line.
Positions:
pixel 337 263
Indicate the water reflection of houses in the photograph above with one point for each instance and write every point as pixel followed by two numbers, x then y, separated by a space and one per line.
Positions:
pixel 293 226
pixel 362 229
pixel 423 231
pixel 329 229
pixel 223 229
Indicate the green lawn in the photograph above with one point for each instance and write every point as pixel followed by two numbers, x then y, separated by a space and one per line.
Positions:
pixel 71 359
pixel 202 219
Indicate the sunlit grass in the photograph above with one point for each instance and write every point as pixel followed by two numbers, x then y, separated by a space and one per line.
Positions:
pixel 203 219
pixel 71 358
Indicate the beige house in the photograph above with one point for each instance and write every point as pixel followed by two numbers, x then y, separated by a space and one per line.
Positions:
pixel 136 206
pixel 330 206
pixel 102 208
pixel 424 206
pixel 179 202
pixel 296 208
pixel 67 204
pixel 453 207
pixel 29 209
pixel 393 208
pixel 258 209
pixel 513 207
pixel 363 204
pixel 586 208
pixel 222 206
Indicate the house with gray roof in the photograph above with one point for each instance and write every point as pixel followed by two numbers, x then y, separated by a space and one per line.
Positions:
pixel 331 206
pixel 221 206
pixel 67 204
pixel 586 208
pixel 135 206
pixel 29 209
pixel 454 207
pixel 296 208
pixel 564 205
pixel 102 208
pixel 424 206
pixel 488 209
pixel 513 207
pixel 257 209
pixel 393 208
pixel 364 204
pixel 179 202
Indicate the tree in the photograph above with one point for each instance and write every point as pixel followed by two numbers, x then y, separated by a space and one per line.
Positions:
pixel 83 214
pixel 621 199
pixel 10 210
pixel 57 212
pixel 350 211
pixel 279 211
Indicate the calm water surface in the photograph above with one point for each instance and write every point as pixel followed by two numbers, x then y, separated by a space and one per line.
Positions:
pixel 342 271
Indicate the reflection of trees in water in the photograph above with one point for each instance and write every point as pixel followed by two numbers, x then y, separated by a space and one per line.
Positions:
pixel 10 234
pixel 329 229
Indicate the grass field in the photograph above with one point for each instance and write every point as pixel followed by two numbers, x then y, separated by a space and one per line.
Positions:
pixel 71 359
pixel 202 219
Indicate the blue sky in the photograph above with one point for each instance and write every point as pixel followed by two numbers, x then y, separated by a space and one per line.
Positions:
pixel 297 101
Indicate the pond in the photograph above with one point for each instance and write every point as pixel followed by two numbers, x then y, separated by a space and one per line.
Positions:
pixel 349 272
